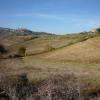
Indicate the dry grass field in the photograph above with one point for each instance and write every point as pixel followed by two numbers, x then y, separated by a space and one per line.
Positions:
pixel 72 54
pixel 86 51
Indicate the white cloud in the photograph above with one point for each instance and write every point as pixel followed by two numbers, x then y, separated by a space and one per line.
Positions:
pixel 40 15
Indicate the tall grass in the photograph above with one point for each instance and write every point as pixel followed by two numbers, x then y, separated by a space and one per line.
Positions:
pixel 56 87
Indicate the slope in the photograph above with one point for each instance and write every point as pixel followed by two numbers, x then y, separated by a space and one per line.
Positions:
pixel 48 43
pixel 86 51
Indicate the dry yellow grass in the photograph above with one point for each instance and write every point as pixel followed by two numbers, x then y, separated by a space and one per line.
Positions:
pixel 87 51
pixel 39 45
pixel 12 40
pixel 68 59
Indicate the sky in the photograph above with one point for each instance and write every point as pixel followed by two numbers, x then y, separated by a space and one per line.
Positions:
pixel 56 16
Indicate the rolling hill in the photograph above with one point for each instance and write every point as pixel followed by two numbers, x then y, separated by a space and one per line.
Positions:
pixel 48 55
pixel 85 51
pixel 12 36
pixel 21 32
pixel 36 45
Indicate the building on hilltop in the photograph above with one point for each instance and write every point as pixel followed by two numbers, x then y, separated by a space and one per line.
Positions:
pixel 94 30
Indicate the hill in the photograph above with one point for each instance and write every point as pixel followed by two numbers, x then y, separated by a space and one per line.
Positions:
pixel 47 55
pixel 36 45
pixel 20 31
pixel 12 36
pixel 85 51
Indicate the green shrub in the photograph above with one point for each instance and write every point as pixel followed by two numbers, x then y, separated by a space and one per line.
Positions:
pixel 98 33
pixel 2 49
pixel 49 48
pixel 22 52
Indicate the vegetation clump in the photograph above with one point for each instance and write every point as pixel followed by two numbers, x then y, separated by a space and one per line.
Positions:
pixel 49 48
pixel 22 52
pixel 17 88
pixel 2 49
pixel 57 87
pixel 60 87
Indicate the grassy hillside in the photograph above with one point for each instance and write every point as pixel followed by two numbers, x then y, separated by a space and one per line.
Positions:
pixel 85 51
pixel 77 54
pixel 45 43
pixel 4 32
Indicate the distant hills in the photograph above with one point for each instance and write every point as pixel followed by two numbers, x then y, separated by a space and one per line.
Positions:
pixel 82 46
pixel 25 32
pixel 21 31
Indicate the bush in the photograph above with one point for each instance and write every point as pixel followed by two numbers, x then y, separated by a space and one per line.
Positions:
pixel 2 49
pixel 22 52
pixel 23 88
pixel 60 87
pixel 7 88
pixel 56 87
pixel 49 48
pixel 17 88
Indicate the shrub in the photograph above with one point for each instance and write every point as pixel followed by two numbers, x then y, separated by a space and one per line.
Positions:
pixel 60 87
pixel 22 87
pixel 98 33
pixel 17 88
pixel 49 48
pixel 22 52
pixel 7 88
pixel 56 87
pixel 2 49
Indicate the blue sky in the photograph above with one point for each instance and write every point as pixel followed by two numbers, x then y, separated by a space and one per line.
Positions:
pixel 57 16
